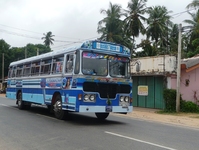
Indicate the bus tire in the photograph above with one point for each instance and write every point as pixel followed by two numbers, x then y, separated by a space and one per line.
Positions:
pixel 102 116
pixel 27 105
pixel 59 113
pixel 20 102
pixel 50 109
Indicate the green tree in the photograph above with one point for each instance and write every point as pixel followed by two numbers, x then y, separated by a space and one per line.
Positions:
pixel 173 40
pixel 193 4
pixel 4 49
pixel 32 49
pixel 135 18
pixel 48 40
pixel 148 49
pixel 158 26
pixel 193 33
pixel 111 27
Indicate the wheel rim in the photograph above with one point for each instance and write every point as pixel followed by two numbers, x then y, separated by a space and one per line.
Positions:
pixel 58 107
pixel 19 99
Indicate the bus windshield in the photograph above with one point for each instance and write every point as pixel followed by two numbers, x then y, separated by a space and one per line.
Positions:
pixel 118 67
pixel 98 64
pixel 94 64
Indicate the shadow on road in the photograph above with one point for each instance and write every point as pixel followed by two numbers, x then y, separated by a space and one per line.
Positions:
pixel 84 119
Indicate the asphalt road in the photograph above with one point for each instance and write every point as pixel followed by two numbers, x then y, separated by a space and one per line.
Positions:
pixel 36 129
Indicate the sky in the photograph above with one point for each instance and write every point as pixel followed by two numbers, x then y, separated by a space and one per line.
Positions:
pixel 25 21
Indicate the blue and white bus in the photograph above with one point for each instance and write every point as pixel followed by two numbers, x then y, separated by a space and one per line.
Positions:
pixel 93 76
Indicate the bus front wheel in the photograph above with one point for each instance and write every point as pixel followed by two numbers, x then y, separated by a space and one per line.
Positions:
pixel 20 102
pixel 102 116
pixel 59 113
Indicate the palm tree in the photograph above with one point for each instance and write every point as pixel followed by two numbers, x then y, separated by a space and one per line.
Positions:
pixel 134 17
pixel 193 24
pixel 158 25
pixel 173 40
pixel 193 4
pixel 111 27
pixel 192 34
pixel 48 40
pixel 148 49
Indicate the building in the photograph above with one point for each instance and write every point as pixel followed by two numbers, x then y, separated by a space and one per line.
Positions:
pixel 152 74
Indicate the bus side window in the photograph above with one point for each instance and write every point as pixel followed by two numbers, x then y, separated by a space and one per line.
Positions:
pixel 35 66
pixel 46 66
pixel 19 71
pixel 69 63
pixel 14 72
pixel 77 63
pixel 10 72
pixel 57 64
pixel 26 70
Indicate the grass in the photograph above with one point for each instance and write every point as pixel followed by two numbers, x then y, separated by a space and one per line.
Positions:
pixel 188 114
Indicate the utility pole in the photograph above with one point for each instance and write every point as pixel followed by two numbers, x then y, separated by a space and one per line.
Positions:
pixel 25 53
pixel 37 51
pixel 2 67
pixel 178 69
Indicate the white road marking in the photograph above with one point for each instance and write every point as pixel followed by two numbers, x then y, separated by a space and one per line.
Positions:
pixel 130 138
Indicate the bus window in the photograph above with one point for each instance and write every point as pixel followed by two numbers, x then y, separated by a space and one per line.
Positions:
pixel 91 60
pixel 58 64
pixel 26 70
pixel 35 68
pixel 69 63
pixel 46 66
pixel 10 72
pixel 19 71
pixel 118 67
pixel 13 71
pixel 77 63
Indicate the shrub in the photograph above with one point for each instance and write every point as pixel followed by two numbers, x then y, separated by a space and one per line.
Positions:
pixel 188 106
pixel 170 102
pixel 170 99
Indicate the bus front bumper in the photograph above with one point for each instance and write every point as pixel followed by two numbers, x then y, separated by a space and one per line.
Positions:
pixel 117 109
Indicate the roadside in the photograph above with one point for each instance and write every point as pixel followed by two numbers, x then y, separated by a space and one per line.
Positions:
pixel 183 119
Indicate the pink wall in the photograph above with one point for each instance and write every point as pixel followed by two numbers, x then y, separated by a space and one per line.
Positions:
pixel 191 91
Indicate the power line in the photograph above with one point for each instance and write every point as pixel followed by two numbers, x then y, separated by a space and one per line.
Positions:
pixel 180 13
pixel 38 38
pixel 33 31
pixel 79 41
pixel 27 36
pixel 19 34
pixel 20 29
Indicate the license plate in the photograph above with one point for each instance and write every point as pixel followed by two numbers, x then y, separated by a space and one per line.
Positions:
pixel 108 109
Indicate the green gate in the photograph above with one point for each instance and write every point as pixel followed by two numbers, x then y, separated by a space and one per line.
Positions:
pixel 154 99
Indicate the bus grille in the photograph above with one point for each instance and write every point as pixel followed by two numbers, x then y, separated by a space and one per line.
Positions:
pixel 105 89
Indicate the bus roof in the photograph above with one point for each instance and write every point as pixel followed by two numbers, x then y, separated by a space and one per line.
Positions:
pixel 94 45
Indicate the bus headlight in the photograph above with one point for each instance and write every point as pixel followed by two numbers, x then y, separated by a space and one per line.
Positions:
pixel 92 97
pixel 121 98
pixel 86 97
pixel 126 99
pixel 89 98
